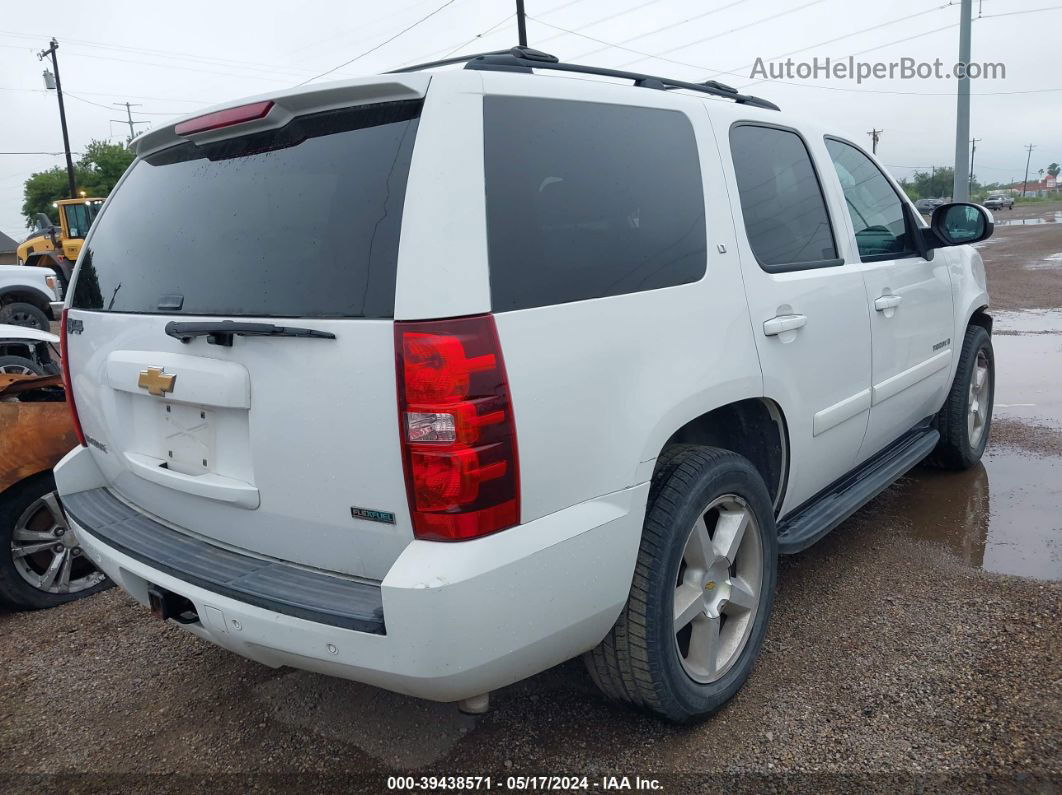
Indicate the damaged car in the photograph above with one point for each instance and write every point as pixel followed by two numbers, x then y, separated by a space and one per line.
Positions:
pixel 41 562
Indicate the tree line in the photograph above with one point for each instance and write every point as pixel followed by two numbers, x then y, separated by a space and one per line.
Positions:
pixel 100 166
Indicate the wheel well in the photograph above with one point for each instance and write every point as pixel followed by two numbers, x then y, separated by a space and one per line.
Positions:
pixel 754 428
pixel 27 297
pixel 981 318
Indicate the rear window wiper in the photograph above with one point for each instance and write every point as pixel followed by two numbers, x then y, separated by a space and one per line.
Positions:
pixel 221 332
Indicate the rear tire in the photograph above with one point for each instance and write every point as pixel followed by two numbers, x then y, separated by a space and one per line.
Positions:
pixel 19 313
pixel 965 420
pixel 702 591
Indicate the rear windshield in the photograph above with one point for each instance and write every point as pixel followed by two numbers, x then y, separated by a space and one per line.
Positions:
pixel 297 222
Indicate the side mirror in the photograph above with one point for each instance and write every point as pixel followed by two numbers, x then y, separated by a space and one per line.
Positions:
pixel 960 223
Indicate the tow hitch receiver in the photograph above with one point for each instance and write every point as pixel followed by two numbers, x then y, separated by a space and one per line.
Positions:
pixel 166 605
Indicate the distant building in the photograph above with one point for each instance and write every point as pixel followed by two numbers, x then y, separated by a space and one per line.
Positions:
pixel 7 250
pixel 1037 187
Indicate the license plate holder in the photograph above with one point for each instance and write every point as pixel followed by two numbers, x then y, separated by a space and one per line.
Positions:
pixel 187 439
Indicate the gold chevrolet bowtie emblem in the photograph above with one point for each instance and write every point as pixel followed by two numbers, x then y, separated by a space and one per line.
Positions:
pixel 155 381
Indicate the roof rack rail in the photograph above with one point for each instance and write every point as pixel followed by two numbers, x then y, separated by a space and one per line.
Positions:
pixel 444 62
pixel 525 59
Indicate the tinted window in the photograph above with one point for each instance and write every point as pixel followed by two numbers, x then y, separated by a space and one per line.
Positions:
pixel 301 221
pixel 781 200
pixel 587 200
pixel 876 210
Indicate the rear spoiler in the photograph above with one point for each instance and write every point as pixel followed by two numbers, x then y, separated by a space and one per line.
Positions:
pixel 286 105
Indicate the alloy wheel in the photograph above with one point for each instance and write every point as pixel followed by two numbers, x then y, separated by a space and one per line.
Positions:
pixel 16 369
pixel 980 389
pixel 46 553
pixel 717 594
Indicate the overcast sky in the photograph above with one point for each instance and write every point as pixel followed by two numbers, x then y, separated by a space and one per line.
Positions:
pixel 174 58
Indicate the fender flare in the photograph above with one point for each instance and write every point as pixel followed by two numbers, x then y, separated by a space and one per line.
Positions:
pixel 40 299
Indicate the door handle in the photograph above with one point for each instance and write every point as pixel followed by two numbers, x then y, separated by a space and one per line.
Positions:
pixel 783 323
pixel 887 302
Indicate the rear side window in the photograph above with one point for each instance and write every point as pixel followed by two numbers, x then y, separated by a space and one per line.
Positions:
pixel 297 222
pixel 781 200
pixel 876 210
pixel 589 200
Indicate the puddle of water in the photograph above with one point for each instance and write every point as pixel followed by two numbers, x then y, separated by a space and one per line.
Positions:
pixel 1051 261
pixel 1029 375
pixel 1029 321
pixel 1054 218
pixel 1001 516
pixel 1004 515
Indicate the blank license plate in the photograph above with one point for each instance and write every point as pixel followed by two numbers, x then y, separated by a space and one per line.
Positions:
pixel 187 439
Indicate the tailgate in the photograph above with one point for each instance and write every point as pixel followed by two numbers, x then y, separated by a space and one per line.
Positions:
pixel 285 446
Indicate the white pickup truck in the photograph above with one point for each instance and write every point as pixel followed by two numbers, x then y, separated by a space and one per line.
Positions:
pixel 29 296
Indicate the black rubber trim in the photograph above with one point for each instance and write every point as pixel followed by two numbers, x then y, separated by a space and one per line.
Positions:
pixel 822 513
pixel 272 585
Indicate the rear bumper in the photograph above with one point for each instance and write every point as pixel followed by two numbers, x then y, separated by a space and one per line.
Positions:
pixel 57 309
pixel 461 618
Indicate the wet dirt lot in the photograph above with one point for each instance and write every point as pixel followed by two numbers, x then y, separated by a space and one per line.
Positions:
pixel 921 642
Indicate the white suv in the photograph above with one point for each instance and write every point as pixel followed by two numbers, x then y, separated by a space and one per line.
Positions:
pixel 591 356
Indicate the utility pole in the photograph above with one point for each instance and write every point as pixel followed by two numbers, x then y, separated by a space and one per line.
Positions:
pixel 961 187
pixel 874 135
pixel 129 117
pixel 71 183
pixel 521 23
pixel 1025 182
pixel 973 151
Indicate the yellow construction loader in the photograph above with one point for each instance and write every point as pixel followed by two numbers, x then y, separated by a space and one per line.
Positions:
pixel 57 247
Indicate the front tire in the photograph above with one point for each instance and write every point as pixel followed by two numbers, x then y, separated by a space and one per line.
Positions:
pixel 41 563
pixel 965 420
pixel 19 365
pixel 702 591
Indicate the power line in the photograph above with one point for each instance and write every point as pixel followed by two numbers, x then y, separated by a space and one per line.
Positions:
pixel 318 44
pixel 754 23
pixel 1016 13
pixel 649 33
pixel 177 67
pixel 201 59
pixel 378 46
pixel 845 36
pixel 111 94
pixel 451 49
pixel 714 71
pixel 138 112
pixel 602 19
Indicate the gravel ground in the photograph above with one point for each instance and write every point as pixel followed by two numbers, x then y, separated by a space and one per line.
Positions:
pixel 893 661
pixel 886 655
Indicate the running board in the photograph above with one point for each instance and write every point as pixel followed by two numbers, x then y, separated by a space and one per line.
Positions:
pixel 830 507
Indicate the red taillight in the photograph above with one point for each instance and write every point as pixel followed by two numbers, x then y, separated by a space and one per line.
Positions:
pixel 63 353
pixel 224 118
pixel 457 430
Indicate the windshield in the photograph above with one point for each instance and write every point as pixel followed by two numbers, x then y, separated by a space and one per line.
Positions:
pixel 302 221
pixel 79 217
